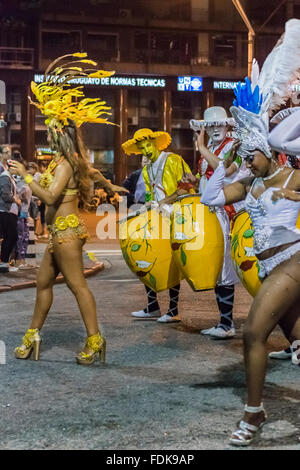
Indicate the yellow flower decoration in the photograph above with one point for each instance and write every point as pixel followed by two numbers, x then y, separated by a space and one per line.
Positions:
pixel 72 220
pixel 61 223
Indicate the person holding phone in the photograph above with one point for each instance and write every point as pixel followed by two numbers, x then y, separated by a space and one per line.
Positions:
pixel 9 208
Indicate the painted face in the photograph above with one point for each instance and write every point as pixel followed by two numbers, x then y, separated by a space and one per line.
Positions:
pixel 148 149
pixel 216 133
pixel 258 163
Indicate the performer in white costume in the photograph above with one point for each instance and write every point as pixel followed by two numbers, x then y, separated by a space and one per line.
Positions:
pixel 285 138
pixel 217 125
pixel 273 203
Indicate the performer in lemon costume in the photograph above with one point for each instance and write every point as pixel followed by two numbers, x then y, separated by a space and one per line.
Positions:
pixel 66 182
pixel 162 176
pixel 217 125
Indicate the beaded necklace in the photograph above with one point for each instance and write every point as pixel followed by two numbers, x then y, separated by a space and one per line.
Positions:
pixel 47 177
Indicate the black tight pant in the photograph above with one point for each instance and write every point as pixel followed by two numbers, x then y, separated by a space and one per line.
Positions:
pixel 8 223
pixel 225 299
pixel 153 303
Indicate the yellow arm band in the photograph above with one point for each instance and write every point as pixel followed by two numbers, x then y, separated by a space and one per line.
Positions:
pixel 28 179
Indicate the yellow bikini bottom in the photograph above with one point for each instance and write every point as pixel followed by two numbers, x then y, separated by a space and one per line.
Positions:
pixel 66 229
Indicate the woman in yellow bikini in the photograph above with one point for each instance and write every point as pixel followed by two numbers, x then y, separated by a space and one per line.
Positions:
pixel 66 182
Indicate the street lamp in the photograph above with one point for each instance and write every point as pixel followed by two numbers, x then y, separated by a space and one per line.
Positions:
pixel 251 33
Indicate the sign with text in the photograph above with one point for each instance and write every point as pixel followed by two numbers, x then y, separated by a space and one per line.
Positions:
pixel 224 85
pixel 122 81
pixel 189 83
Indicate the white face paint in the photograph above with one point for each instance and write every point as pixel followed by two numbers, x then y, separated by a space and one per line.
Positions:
pixel 216 133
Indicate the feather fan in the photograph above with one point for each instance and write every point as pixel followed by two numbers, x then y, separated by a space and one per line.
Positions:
pixel 281 68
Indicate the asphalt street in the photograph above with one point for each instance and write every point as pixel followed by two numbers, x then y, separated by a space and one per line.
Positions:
pixel 163 386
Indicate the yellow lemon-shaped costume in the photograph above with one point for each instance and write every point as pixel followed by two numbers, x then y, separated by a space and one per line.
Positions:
pixel 244 260
pixel 197 242
pixel 145 244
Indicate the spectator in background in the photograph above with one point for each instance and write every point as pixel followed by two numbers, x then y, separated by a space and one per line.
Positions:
pixel 288 160
pixel 9 203
pixel 5 154
pixel 33 169
pixel 136 186
pixel 24 194
pixel 293 161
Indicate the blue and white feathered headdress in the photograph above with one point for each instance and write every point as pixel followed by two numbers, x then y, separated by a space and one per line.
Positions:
pixel 267 91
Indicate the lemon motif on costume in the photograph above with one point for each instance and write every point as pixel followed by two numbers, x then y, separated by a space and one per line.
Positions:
pixel 197 242
pixel 244 260
pixel 146 249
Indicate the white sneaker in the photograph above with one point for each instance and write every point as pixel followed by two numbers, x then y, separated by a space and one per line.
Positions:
pixel 283 354
pixel 143 314
pixel 168 319
pixel 208 331
pixel 13 269
pixel 220 333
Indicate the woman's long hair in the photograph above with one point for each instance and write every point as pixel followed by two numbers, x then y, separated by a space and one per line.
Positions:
pixel 68 142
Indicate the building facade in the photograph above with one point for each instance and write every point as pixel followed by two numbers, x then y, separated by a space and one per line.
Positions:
pixel 172 60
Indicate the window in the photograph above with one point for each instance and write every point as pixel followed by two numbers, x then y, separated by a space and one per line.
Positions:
pixel 224 50
pixel 103 45
pixel 60 42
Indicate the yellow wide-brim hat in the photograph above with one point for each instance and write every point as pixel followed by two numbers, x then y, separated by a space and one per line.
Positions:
pixel 162 140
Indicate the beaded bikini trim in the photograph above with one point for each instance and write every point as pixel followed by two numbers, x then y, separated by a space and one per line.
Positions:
pixel 66 229
pixel 267 265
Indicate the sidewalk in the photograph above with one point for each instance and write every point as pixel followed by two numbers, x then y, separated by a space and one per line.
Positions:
pixel 24 278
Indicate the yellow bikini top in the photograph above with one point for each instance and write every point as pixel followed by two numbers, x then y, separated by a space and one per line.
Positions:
pixel 47 178
pixel 70 191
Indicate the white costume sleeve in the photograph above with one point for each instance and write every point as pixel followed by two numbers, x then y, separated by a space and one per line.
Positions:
pixel 285 137
pixel 213 194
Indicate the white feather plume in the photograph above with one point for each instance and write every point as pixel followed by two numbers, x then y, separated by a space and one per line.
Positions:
pixel 254 74
pixel 281 68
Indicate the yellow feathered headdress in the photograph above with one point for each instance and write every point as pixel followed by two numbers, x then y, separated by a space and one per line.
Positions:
pixel 60 102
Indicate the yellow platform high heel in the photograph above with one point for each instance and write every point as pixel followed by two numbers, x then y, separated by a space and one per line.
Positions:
pixel 30 343
pixel 96 344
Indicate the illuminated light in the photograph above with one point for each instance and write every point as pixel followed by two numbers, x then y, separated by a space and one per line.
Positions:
pixel 143 82
pixel 225 85
pixel 189 83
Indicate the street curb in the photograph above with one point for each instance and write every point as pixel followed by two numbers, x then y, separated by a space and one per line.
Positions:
pixel 59 280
